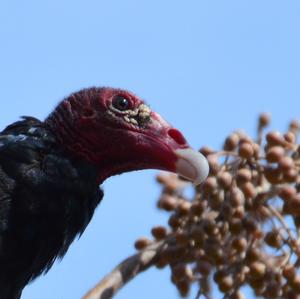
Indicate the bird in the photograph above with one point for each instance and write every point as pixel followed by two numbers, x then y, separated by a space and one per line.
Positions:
pixel 51 173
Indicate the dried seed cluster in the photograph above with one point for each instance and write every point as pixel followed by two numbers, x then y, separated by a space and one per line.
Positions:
pixel 242 225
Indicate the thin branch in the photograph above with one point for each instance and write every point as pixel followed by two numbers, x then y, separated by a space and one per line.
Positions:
pixel 125 271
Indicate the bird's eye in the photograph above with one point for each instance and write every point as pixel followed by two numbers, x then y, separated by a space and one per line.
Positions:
pixel 120 103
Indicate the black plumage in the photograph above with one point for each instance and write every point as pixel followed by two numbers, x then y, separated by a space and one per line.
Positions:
pixel 46 199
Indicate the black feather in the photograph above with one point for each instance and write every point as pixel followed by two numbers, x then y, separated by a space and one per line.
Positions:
pixel 46 200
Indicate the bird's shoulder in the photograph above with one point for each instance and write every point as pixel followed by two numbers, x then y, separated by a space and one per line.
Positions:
pixel 23 143
pixel 27 131
pixel 28 149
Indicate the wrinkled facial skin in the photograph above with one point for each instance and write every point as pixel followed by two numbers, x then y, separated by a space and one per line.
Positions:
pixel 135 136
pixel 116 131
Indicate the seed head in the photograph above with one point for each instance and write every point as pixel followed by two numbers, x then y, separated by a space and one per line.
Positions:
pixel 241 226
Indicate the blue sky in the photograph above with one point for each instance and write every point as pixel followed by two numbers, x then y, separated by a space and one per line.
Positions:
pixel 208 67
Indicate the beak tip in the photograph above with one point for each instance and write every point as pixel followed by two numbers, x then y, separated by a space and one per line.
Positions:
pixel 192 165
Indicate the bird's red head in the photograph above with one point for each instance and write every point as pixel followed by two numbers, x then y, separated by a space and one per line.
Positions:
pixel 117 132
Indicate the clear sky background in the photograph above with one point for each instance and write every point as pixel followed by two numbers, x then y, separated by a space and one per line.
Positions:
pixel 208 67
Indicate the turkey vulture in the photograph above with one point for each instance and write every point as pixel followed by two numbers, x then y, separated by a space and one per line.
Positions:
pixel 50 172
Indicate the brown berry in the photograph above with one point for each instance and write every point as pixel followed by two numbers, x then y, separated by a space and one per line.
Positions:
pixel 274 138
pixel 290 137
pixel 159 232
pixel 287 192
pixel 257 269
pixel 273 175
pixel 246 150
pixel 239 244
pixel 184 207
pixel 273 239
pixel 249 190
pixel 250 225
pixel 294 125
pixel 243 175
pixel 253 254
pixel 289 272
pixel 274 154
pixel 295 284
pixel 197 208
pixel 264 120
pixel 167 202
pixel 224 179
pixel 235 226
pixel 181 272
pixel 236 197
pixel 239 212
pixel 206 151
pixel 174 221
pixel 183 287
pixel 286 163
pixel 142 243
pixel 290 175
pixel 226 283
pixel 231 142
pixel 210 185
pixel 219 274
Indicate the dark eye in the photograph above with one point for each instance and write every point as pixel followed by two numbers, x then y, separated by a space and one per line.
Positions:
pixel 120 103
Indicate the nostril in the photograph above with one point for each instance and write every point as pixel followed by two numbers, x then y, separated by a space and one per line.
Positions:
pixel 177 136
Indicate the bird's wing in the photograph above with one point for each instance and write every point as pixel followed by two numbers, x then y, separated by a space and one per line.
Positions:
pixel 21 150
pixel 16 154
